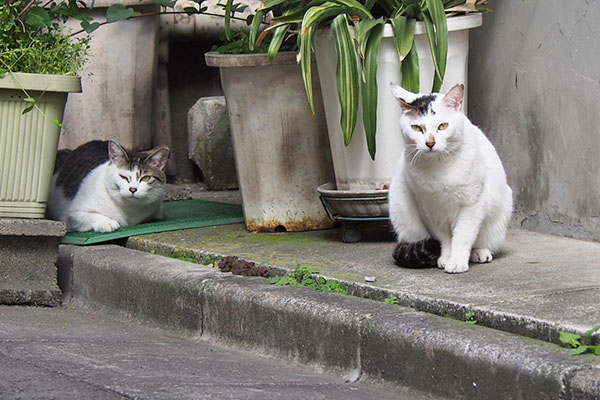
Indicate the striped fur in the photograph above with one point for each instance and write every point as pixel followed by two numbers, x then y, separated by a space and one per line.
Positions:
pixel 423 254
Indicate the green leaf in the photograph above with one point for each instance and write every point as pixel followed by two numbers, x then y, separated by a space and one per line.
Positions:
pixel 369 86
pixel 592 331
pixel 270 3
pixel 165 3
pixel 363 30
pixel 227 20
pixel 404 33
pixel 56 122
pixel 347 79
pixel 254 27
pixel 191 10
pixel 314 15
pixel 570 339
pixel 29 100
pixel 277 40
pixel 410 71
pixel 89 27
pixel 27 109
pixel 580 350
pixel 38 17
pixel 306 44
pixel 437 33
pixel 118 12
pixel 355 8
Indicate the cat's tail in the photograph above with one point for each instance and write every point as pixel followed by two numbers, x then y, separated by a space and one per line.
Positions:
pixel 423 254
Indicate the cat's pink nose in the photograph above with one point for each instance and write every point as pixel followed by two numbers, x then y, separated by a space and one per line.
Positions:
pixel 132 189
pixel 430 144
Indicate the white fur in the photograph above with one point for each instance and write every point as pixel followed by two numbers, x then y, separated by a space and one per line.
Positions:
pixel 455 191
pixel 104 201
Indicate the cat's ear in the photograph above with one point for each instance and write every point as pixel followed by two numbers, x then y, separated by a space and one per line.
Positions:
pixel 117 154
pixel 158 158
pixel 403 96
pixel 454 98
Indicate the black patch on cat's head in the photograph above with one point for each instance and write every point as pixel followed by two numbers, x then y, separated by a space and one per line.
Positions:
pixel 147 163
pixel 421 105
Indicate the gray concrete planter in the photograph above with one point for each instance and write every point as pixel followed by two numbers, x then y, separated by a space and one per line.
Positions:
pixel 281 151
pixel 28 142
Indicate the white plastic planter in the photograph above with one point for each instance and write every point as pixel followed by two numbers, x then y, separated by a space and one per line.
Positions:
pixel 281 152
pixel 354 168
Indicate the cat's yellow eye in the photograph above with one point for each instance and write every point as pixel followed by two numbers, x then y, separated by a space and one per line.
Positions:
pixel 443 126
pixel 124 178
pixel 417 128
pixel 146 178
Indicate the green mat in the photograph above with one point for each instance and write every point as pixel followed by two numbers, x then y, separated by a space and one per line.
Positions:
pixel 183 214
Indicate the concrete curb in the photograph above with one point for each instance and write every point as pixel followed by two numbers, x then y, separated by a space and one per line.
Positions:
pixel 28 253
pixel 355 337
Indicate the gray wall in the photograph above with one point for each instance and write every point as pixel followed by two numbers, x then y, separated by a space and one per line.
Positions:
pixel 534 76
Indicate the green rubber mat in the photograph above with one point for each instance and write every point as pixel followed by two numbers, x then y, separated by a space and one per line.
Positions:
pixel 183 214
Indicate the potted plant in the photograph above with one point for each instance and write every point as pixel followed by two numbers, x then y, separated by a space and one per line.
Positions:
pixel 39 60
pixel 367 44
pixel 281 153
pixel 38 64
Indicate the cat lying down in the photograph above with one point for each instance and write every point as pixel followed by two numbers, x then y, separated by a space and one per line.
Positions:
pixel 449 201
pixel 100 186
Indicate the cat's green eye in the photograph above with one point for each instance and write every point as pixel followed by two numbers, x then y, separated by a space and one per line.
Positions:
pixel 124 178
pixel 443 126
pixel 145 178
pixel 417 128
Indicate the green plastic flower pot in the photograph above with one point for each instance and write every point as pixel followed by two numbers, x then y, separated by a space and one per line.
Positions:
pixel 29 141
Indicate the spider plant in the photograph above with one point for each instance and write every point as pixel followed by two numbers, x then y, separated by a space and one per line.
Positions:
pixel 357 28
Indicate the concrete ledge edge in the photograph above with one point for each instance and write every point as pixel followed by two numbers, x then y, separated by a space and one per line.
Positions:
pixel 348 335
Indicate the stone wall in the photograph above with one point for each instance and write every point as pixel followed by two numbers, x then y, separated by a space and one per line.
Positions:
pixel 535 90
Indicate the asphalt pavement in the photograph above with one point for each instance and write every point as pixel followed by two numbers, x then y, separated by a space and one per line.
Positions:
pixel 78 353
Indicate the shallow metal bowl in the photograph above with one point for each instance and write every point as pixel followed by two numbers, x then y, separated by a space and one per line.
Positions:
pixel 362 204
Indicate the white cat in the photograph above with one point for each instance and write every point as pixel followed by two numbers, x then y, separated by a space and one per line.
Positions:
pixel 449 186
pixel 100 186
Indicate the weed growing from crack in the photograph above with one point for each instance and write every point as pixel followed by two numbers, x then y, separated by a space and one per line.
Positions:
pixel 304 276
pixel 573 340
pixel 471 318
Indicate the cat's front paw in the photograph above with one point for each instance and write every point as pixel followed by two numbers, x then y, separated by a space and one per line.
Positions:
pixel 481 256
pixel 106 225
pixel 442 262
pixel 456 267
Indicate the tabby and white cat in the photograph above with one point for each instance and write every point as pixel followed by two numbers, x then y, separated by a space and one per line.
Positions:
pixel 449 201
pixel 100 186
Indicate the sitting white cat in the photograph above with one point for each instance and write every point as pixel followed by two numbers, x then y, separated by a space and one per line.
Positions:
pixel 100 186
pixel 449 201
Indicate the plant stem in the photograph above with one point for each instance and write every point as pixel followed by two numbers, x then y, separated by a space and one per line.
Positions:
pixel 165 13
pixel 26 8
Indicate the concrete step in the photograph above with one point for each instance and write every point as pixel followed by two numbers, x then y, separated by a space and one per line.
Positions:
pixel 353 337
pixel 538 286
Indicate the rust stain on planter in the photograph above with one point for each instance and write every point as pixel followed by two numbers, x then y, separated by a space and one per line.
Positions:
pixel 296 225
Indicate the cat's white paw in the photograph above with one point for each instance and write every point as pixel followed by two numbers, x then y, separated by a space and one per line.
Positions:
pixel 456 267
pixel 443 261
pixel 106 225
pixel 481 256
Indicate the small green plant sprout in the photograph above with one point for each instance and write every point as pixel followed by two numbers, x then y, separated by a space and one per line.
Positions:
pixel 471 318
pixel 573 340
pixel 304 276
pixel 391 300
